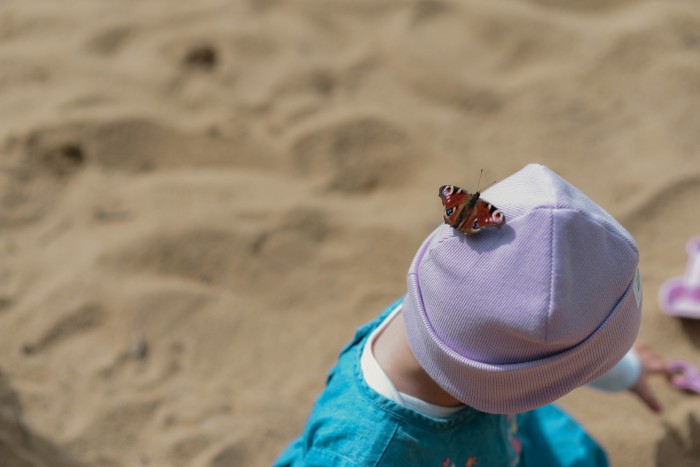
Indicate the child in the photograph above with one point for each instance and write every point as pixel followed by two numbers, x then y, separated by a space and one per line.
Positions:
pixel 493 325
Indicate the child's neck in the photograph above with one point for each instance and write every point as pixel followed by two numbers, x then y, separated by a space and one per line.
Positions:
pixel 392 352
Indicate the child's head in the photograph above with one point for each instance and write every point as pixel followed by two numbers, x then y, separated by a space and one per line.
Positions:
pixel 512 319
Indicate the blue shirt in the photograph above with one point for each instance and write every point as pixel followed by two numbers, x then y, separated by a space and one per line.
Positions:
pixel 352 425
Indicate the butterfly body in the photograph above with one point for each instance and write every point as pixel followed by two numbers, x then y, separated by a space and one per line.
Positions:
pixel 468 212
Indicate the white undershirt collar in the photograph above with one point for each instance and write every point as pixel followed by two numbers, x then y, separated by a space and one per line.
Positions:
pixel 377 379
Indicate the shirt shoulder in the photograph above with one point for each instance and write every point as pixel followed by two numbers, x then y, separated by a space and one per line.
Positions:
pixel 353 425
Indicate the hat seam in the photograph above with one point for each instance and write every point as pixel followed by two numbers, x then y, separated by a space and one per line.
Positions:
pixel 551 274
pixel 553 194
pixel 610 228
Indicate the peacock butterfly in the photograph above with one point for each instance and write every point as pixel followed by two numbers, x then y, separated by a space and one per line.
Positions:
pixel 467 212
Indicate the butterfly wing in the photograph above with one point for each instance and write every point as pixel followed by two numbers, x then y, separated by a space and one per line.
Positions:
pixel 456 201
pixel 467 212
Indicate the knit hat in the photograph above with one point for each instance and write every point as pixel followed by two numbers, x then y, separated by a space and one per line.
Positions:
pixel 511 319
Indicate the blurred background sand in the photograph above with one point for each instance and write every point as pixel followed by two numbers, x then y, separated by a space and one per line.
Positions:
pixel 200 200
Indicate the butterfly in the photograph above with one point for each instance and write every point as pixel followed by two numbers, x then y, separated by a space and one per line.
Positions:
pixel 467 212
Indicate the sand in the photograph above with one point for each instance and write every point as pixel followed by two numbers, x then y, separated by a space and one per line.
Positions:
pixel 199 201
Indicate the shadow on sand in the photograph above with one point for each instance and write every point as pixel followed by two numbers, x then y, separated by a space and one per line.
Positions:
pixel 19 447
pixel 676 450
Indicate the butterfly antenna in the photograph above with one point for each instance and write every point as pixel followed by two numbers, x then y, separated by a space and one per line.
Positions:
pixel 491 184
pixel 479 182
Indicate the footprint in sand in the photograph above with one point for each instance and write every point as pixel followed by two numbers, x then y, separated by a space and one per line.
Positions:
pixel 131 144
pixel 236 453
pixel 5 304
pixel 231 259
pixel 583 5
pixel 185 449
pixel 202 57
pixel 117 427
pixel 20 446
pixel 291 242
pixel 38 166
pixel 675 450
pixel 59 151
pixel 355 155
pixel 110 41
pixel 79 321
pixel 206 256
pixel 424 10
pixel 141 145
pixel 64 158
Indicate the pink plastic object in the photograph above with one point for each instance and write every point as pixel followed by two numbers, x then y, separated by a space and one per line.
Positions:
pixel 680 296
pixel 684 375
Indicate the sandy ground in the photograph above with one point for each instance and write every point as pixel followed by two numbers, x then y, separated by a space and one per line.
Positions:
pixel 200 200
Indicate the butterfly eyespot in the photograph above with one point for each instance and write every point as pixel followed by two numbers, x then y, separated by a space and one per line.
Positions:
pixel 448 190
pixel 475 225
pixel 448 212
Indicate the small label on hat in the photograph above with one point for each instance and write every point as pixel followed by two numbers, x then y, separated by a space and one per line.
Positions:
pixel 637 288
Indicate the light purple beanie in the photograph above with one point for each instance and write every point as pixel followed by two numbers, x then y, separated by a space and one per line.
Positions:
pixel 511 319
